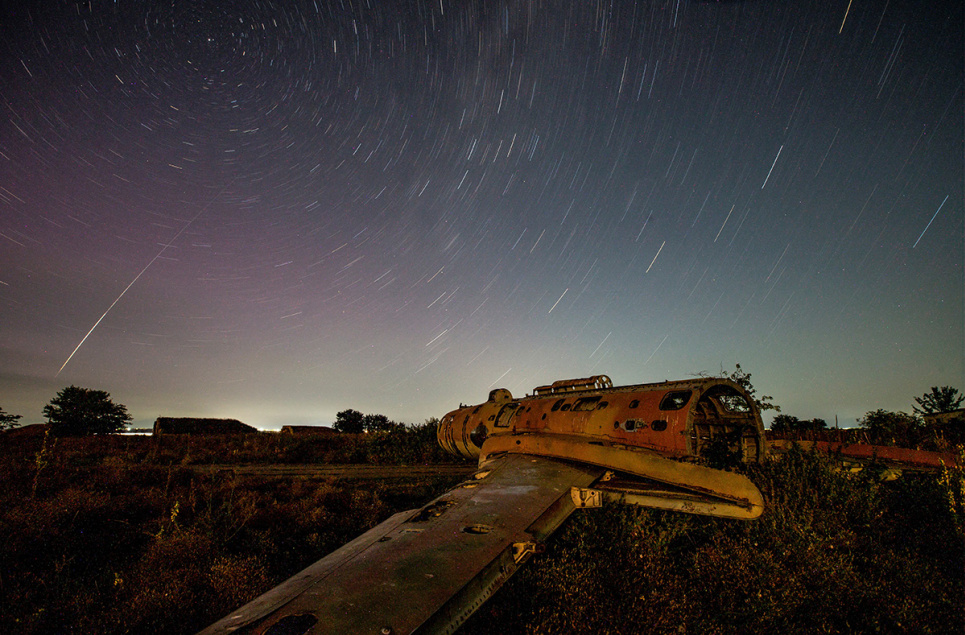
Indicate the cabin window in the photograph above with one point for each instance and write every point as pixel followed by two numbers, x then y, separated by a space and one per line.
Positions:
pixel 505 415
pixel 565 407
pixel 586 403
pixel 675 400
pixel 634 403
pixel 602 405
pixel 659 425
pixel 556 406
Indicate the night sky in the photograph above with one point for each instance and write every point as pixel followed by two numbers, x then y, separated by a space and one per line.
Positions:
pixel 292 208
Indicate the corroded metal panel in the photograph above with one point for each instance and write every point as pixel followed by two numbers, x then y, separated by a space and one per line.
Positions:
pixel 684 485
pixel 571 444
pixel 679 419
pixel 425 570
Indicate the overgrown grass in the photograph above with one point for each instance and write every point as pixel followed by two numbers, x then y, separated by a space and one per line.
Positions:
pixel 118 535
pixel 833 553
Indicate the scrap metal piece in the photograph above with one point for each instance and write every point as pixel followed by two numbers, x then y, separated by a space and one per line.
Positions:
pixel 523 550
pixel 467 544
pixel 584 498
pixel 727 494
pixel 689 419
pixel 572 444
pixel 857 455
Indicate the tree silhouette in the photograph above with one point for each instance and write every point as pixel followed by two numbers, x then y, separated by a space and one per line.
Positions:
pixel 885 426
pixel 790 423
pixel 378 423
pixel 944 399
pixel 7 420
pixel 82 411
pixel 743 379
pixel 349 421
pixel 355 422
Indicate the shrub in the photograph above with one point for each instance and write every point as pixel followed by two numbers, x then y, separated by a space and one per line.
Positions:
pixel 833 552
pixel 121 537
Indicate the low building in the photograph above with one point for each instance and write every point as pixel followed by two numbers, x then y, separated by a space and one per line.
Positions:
pixel 955 418
pixel 300 430
pixel 192 425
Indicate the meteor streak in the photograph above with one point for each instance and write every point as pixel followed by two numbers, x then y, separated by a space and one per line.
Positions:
pixel 772 166
pixel 557 302
pixel 146 267
pixel 655 257
pixel 930 222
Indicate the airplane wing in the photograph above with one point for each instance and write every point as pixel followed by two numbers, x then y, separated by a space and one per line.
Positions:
pixel 425 570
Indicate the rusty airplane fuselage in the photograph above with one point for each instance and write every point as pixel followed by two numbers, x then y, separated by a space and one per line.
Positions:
pixel 569 445
pixel 677 419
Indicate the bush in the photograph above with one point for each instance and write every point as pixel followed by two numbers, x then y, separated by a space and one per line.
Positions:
pixel 116 535
pixel 120 535
pixel 833 552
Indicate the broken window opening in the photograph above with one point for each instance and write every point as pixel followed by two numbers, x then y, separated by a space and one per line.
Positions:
pixel 675 400
pixel 734 403
pixel 505 415
pixel 586 403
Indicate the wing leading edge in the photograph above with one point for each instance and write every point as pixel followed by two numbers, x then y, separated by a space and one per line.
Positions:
pixel 425 570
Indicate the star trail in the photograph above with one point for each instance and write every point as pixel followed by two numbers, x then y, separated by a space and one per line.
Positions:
pixel 292 208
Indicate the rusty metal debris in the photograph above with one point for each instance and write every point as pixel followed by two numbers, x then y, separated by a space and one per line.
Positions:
pixel 571 444
pixel 652 434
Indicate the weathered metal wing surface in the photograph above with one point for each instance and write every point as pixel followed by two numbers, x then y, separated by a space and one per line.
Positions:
pixel 425 570
pixel 644 477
